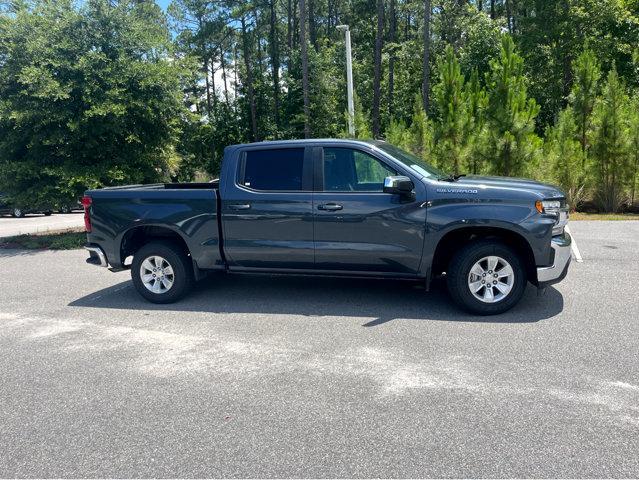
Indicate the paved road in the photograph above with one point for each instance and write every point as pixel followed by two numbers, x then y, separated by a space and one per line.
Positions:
pixel 267 376
pixel 10 226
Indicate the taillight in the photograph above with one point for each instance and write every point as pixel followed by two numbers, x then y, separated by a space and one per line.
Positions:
pixel 86 203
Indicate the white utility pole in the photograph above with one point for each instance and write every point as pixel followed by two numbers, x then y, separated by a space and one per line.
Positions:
pixel 349 79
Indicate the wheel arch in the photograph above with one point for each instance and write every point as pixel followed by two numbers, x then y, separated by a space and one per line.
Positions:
pixel 136 237
pixel 454 239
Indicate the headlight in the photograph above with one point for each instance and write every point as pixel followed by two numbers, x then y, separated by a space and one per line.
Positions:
pixel 554 208
pixel 551 206
pixel 548 206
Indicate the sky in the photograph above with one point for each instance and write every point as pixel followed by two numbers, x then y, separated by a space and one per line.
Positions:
pixel 163 3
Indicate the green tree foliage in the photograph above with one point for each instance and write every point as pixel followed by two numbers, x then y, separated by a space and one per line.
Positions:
pixel 564 157
pixel 475 122
pixel 99 92
pixel 450 133
pixel 511 142
pixel 88 98
pixel 584 94
pixel 633 119
pixel 610 153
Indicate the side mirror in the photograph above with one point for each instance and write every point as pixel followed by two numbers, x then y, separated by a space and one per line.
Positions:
pixel 398 184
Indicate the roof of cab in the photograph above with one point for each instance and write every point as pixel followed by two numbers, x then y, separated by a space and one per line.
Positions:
pixel 306 141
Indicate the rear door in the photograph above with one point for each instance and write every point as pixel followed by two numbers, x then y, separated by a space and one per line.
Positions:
pixel 358 227
pixel 267 211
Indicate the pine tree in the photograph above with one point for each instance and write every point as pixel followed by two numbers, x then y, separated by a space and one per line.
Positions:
pixel 633 118
pixel 450 134
pixel 420 132
pixel 564 156
pixel 512 144
pixel 583 95
pixel 361 121
pixel 397 134
pixel 475 122
pixel 610 152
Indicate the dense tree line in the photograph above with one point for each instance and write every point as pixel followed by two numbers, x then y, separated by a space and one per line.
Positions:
pixel 110 91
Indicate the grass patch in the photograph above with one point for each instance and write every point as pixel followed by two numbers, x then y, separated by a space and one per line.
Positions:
pixel 56 241
pixel 603 216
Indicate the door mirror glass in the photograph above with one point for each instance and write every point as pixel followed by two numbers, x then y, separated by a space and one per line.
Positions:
pixel 398 184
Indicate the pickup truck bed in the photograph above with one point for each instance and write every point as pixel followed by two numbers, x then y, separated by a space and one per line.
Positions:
pixel 122 216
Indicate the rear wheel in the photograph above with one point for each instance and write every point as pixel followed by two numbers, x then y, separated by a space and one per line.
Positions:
pixel 486 278
pixel 162 272
pixel 18 213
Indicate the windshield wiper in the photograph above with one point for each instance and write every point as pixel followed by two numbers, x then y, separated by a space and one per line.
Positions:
pixel 452 178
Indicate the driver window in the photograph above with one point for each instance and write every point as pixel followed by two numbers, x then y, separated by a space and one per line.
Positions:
pixel 349 170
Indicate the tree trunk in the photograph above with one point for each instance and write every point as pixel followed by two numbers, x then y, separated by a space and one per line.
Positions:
pixel 304 51
pixel 426 57
pixel 312 29
pixel 235 83
pixel 634 178
pixel 377 75
pixel 391 58
pixel 226 88
pixel 493 14
pixel 275 65
pixel 249 80
pixel 213 89
pixel 330 17
pixel 480 5
pixel 208 88
pixel 256 31
pixel 295 36
pixel 289 27
pixel 509 17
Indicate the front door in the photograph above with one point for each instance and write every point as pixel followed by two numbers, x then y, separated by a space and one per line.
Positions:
pixel 267 212
pixel 358 227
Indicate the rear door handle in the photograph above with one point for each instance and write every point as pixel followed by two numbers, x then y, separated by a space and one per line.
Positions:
pixel 240 206
pixel 331 207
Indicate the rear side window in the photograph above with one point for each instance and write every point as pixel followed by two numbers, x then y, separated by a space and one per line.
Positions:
pixel 274 169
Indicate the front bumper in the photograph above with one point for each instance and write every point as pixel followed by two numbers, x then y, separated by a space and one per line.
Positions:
pixel 561 245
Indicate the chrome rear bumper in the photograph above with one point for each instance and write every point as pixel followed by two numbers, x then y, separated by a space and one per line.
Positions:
pixel 556 273
pixel 97 256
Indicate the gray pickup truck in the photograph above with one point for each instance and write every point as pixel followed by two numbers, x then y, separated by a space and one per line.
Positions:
pixel 335 207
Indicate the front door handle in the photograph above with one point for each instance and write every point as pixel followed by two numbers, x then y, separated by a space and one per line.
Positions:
pixel 331 207
pixel 241 206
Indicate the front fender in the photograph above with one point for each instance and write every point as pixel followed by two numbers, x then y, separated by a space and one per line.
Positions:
pixel 522 219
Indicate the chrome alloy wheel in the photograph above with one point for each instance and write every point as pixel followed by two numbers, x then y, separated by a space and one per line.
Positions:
pixel 491 279
pixel 157 274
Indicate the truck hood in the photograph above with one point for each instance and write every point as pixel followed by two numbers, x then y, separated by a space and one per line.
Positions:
pixel 543 190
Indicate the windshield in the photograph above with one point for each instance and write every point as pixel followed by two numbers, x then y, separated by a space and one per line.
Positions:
pixel 411 161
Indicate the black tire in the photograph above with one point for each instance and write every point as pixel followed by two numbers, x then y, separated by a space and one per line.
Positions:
pixel 459 270
pixel 48 213
pixel 182 271
pixel 18 213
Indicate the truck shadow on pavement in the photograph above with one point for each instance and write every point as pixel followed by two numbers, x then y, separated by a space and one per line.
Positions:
pixel 376 301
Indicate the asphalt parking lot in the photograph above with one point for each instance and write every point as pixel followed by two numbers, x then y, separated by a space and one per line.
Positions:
pixel 306 377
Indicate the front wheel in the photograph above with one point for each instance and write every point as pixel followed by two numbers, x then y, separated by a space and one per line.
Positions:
pixel 18 213
pixel 486 278
pixel 162 272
